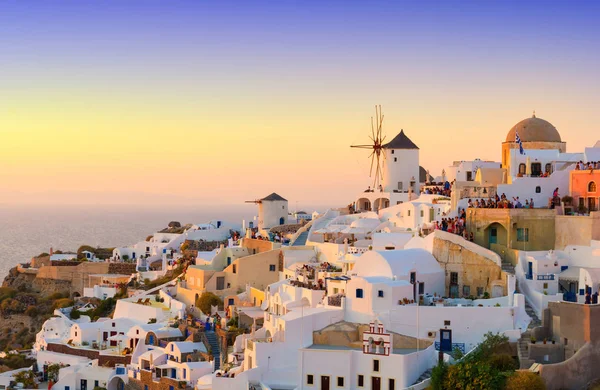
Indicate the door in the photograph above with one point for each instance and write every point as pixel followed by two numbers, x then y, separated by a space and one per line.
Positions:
pixel 530 270
pixel 375 383
pixel 446 340
pixel 324 382
pixel 493 236
pixel 84 384
pixel 591 204
pixel 220 282
pixel 536 169
pixel 454 291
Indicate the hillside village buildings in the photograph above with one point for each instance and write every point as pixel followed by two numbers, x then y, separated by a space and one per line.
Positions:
pixel 358 297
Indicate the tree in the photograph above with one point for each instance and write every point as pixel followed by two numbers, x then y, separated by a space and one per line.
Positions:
pixel 53 370
pixel 525 380
pixel 75 314
pixel 206 300
pixel 27 378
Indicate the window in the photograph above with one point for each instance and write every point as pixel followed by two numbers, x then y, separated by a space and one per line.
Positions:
pixel 592 186
pixel 231 301
pixel 391 384
pixel 422 213
pixel 340 381
pixel 466 291
pixel 376 365
pixel 422 288
pixel 413 277
pixel 395 159
pixel 235 268
pixel 522 169
pixel 310 380
pixel 479 291
pixel 359 293
pixel 522 234
pixel 75 334
pixel 361 381
pixel 113 324
pixel 453 277
pixel 409 213
pixel 545 285
pixel 137 331
pixel 392 151
pixel 538 190
pixel 184 372
pixel 97 384
pixel 469 176
pixel 67 388
pixel 272 267
pixel 548 168
pixel 172 347
pixel 380 293
pixel 399 186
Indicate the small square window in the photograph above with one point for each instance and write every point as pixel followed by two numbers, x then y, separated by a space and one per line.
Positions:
pixel 538 190
pixel 376 365
pixel 446 323
pixel 361 381
pixel 272 267
pixel 545 285
pixel 380 293
pixel 359 293
pixel 395 159
pixel 340 381
pixel 310 380
pixel 523 234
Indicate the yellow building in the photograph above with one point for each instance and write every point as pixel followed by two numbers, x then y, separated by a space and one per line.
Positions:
pixel 502 230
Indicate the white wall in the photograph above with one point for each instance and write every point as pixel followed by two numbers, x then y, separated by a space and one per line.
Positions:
pixel 402 170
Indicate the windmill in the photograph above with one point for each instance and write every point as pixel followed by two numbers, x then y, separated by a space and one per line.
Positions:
pixel 377 139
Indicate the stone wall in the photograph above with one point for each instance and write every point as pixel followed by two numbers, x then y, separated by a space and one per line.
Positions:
pixel 122 268
pixel 50 286
pixel 474 268
pixel 78 275
pixel 64 263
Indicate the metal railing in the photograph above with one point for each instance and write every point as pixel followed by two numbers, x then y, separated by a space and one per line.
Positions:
pixel 545 277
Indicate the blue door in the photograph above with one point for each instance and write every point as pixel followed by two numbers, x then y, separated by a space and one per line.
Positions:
pixel 493 236
pixel 281 221
pixel 151 339
pixel 446 340
pixel 530 270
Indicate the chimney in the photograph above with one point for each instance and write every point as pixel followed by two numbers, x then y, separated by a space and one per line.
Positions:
pixel 51 251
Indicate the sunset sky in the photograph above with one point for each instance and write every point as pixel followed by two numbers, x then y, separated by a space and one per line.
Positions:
pixel 154 102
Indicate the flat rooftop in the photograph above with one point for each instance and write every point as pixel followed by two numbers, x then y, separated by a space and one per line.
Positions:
pixel 395 351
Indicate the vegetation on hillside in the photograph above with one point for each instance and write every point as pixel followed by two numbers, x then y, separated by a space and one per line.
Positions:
pixel 485 368
pixel 206 300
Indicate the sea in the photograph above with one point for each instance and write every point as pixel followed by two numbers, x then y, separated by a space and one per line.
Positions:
pixel 26 231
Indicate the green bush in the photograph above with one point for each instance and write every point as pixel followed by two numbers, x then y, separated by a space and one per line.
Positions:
pixel 503 362
pixel 525 380
pixel 75 314
pixel 206 300
pixel 62 303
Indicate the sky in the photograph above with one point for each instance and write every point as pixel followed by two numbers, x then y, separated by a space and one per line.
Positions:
pixel 195 102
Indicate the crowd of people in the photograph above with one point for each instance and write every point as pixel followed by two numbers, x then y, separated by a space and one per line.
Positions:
pixel 442 189
pixel 581 166
pixel 503 202
pixel 456 225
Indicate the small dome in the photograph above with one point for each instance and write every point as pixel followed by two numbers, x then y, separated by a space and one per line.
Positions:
pixel 534 130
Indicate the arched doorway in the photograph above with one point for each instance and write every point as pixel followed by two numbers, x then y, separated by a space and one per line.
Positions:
pixel 381 203
pixel 495 233
pixel 363 204
pixel 116 383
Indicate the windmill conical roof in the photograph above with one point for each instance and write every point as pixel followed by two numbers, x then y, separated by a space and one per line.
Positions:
pixel 401 141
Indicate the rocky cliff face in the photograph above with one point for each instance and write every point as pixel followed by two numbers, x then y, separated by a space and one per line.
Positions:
pixel 15 279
